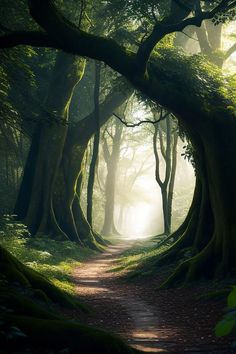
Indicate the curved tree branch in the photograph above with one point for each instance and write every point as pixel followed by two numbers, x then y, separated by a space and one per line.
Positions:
pixel 76 41
pixel 168 25
pixel 133 125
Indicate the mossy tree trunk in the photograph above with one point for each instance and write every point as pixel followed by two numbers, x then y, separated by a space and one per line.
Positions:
pixel 69 213
pixel 46 150
pixel 46 201
pixel 207 240
pixel 96 142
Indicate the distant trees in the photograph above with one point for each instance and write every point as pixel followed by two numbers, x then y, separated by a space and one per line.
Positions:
pixel 111 156
pixel 166 136
pixel 96 141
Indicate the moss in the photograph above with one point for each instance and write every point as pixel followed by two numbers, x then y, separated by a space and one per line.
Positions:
pixel 61 334
pixel 41 296
pixel 40 328
pixel 16 272
pixel 22 305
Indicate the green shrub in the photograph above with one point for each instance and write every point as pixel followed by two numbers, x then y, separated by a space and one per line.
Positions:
pixel 54 259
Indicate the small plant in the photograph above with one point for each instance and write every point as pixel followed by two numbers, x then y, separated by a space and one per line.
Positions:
pixel 10 228
pixel 13 235
pixel 54 259
pixel 227 324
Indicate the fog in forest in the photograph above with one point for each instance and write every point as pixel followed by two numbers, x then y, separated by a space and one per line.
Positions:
pixel 138 209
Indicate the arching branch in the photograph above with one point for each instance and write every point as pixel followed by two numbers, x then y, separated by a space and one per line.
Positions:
pixel 148 121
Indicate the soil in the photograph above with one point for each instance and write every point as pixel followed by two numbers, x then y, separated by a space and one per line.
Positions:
pixel 154 321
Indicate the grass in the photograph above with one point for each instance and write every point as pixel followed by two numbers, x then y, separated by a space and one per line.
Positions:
pixel 54 259
pixel 140 259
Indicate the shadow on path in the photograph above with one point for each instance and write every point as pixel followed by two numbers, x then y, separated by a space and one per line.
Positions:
pixel 122 308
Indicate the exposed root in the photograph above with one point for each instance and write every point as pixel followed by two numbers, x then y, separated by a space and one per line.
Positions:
pixel 16 272
pixel 192 268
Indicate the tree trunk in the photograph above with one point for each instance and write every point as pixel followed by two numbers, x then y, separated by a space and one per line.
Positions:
pixel 111 160
pixel 69 214
pixel 165 210
pixel 46 150
pixel 212 242
pixel 172 178
pixel 66 199
pixel 96 142
pixel 67 207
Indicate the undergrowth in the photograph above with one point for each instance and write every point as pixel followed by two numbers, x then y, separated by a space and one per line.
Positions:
pixel 53 259
pixel 140 259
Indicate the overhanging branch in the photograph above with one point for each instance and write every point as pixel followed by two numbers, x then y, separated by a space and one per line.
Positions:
pixel 148 121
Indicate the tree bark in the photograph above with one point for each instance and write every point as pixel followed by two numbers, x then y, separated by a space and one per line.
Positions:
pixel 46 150
pixel 96 141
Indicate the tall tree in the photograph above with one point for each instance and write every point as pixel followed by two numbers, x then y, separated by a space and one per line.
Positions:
pixel 35 200
pixel 96 142
pixel 111 157
pixel 169 154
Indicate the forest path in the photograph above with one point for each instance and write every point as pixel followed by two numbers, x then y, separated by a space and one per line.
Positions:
pixel 147 320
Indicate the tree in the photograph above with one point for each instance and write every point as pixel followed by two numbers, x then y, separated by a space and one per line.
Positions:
pixel 36 205
pixel 111 157
pixel 96 141
pixel 169 154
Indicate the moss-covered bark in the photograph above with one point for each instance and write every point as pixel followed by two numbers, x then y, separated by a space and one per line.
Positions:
pixel 210 241
pixel 49 201
pixel 58 335
pixel 35 200
pixel 69 214
pixel 16 272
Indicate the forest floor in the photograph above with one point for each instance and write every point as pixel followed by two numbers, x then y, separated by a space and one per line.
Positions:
pixel 162 321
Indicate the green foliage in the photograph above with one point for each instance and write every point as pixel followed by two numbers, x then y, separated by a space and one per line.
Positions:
pixel 13 235
pixel 208 84
pixel 53 259
pixel 225 326
pixel 228 323
pixel 140 259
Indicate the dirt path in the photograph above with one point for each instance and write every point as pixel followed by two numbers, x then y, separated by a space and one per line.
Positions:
pixel 147 320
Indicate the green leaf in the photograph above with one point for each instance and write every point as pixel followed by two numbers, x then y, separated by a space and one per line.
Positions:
pixel 225 327
pixel 231 301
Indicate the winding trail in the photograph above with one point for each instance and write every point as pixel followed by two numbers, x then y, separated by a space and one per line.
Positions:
pixel 127 310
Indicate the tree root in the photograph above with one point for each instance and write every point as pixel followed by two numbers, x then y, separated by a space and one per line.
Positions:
pixel 191 269
pixel 13 271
